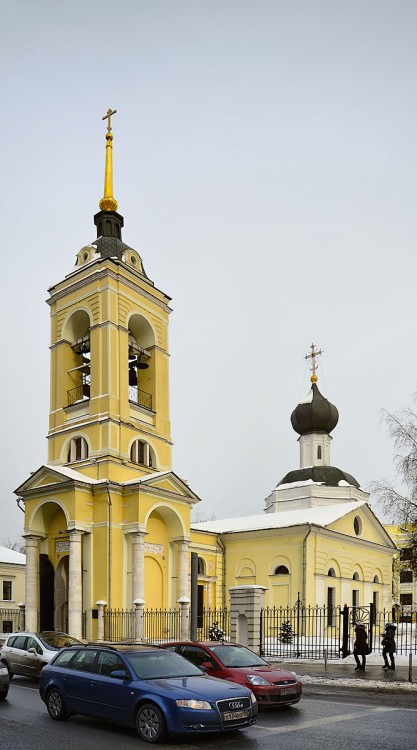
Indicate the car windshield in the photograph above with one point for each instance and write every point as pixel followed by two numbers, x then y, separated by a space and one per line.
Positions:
pixel 159 664
pixel 58 640
pixel 237 656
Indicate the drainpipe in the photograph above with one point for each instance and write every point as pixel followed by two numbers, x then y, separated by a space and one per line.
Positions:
pixel 305 564
pixel 110 540
pixel 223 549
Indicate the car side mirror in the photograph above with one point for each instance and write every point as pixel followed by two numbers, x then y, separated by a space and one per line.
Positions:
pixel 206 665
pixel 32 650
pixel 119 674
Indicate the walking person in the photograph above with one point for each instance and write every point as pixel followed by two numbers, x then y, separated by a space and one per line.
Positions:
pixel 360 647
pixel 389 647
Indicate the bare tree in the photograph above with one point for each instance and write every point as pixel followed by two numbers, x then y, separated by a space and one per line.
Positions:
pixel 401 506
pixel 18 545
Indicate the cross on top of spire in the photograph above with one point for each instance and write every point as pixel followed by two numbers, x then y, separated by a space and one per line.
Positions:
pixel 313 365
pixel 108 116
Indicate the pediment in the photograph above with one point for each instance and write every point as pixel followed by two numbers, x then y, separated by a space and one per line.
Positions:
pixel 48 475
pixel 170 483
pixel 368 526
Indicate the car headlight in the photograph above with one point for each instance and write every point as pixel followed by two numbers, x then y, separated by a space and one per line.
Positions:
pixel 3 670
pixel 255 679
pixel 253 697
pixel 193 703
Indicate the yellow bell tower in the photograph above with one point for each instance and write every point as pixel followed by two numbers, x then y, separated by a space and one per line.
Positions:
pixel 109 356
pixel 107 521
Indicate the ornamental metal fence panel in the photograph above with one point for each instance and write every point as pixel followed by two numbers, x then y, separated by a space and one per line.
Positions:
pixel 161 625
pixel 119 625
pixel 210 620
pixel 405 620
pixel 301 632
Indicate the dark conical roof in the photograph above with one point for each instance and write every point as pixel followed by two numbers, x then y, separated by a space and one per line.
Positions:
pixel 316 414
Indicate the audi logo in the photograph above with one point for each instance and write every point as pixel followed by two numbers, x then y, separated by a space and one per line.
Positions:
pixel 236 704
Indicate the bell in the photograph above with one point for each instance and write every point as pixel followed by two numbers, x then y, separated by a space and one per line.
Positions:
pixel 142 364
pixel 133 378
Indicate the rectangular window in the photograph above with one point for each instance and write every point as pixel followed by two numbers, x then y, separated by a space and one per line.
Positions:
pixel 406 600
pixel 406 576
pixel 331 599
pixel 7 591
pixel 7 626
pixel 406 553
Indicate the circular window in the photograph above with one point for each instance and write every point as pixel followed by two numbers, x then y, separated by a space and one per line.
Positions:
pixel 133 260
pixel 357 525
pixel 85 257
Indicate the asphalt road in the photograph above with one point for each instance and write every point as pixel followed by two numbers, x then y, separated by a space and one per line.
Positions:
pixel 326 719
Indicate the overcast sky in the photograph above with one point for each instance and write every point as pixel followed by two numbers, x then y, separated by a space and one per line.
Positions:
pixel 265 164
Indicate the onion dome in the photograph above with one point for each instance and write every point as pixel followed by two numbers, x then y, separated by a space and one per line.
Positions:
pixel 315 414
pixel 327 475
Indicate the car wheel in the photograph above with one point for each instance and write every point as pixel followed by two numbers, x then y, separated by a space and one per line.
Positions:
pixel 55 705
pixel 3 696
pixel 150 723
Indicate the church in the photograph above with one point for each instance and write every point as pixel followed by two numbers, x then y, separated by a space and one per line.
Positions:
pixel 107 519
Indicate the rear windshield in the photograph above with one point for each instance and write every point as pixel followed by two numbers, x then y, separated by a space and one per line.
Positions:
pixel 58 640
pixel 157 664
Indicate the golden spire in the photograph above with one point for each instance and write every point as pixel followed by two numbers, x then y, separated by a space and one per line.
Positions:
pixel 108 202
pixel 314 364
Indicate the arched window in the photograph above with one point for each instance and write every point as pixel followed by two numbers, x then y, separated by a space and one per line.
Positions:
pixel 376 579
pixel 355 577
pixel 319 451
pixel 201 567
pixel 281 570
pixel 141 453
pixel 78 450
pixel 331 573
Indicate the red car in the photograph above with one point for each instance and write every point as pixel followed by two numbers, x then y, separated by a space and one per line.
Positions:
pixel 229 661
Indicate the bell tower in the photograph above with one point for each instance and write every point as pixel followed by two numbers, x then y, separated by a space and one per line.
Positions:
pixel 109 402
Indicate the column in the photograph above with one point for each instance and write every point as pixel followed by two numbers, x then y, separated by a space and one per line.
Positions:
pixel 100 619
pixel 138 565
pixel 183 584
pixel 139 605
pixel 32 582
pixel 75 585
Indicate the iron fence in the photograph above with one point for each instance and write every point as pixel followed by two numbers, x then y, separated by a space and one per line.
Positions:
pixel 119 625
pixel 208 618
pixel 301 632
pixel 9 620
pixel 405 619
pixel 160 625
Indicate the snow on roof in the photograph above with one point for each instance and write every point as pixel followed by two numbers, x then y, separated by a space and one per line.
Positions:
pixel 147 477
pixel 10 556
pixel 71 474
pixel 308 399
pixel 320 516
pixel 304 483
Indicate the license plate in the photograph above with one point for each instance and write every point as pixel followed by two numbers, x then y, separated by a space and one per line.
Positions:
pixel 289 691
pixel 232 715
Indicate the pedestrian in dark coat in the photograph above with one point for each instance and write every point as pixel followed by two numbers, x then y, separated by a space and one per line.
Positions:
pixel 360 647
pixel 389 647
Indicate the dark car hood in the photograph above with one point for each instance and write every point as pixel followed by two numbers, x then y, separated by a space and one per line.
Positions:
pixel 204 687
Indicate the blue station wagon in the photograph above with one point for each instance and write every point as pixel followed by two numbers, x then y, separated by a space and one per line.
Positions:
pixel 157 691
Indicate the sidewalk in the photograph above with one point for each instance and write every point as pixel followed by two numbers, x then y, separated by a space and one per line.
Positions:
pixel 343 673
